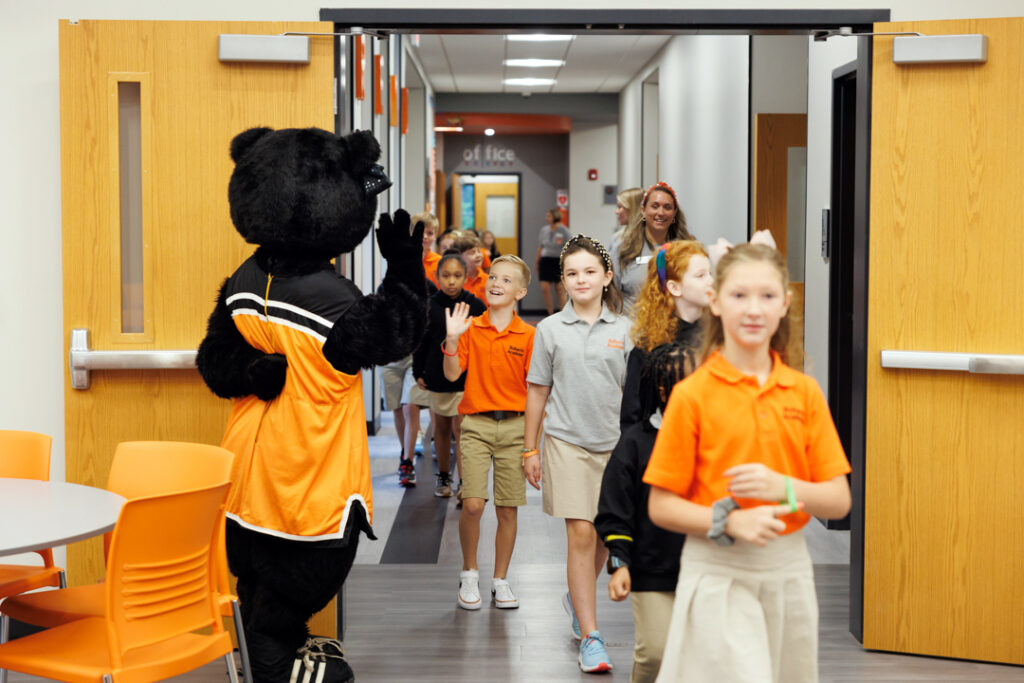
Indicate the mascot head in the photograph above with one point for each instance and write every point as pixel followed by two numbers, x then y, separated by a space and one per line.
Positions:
pixel 305 191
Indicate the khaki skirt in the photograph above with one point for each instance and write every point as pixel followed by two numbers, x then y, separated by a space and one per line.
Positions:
pixel 571 479
pixel 743 613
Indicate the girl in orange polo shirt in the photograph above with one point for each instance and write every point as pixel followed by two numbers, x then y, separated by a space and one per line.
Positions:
pixel 746 455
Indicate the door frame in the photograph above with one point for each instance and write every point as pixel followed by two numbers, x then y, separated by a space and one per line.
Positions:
pixel 724 21
pixel 519 202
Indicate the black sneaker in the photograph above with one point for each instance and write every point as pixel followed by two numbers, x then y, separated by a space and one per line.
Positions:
pixel 407 473
pixel 321 660
pixel 444 485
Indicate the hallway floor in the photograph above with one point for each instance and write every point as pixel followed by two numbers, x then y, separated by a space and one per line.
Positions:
pixel 403 623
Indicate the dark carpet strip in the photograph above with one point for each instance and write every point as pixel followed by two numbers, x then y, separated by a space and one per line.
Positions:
pixel 415 536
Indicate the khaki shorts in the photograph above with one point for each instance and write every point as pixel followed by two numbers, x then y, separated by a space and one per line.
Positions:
pixel 411 392
pixel 483 440
pixel 392 377
pixel 571 479
pixel 445 403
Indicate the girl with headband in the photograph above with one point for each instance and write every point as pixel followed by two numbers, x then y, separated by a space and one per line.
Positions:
pixel 659 220
pixel 574 387
pixel 742 433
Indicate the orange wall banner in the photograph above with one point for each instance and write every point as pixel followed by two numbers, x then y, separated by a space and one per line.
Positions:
pixel 393 102
pixel 378 85
pixel 360 69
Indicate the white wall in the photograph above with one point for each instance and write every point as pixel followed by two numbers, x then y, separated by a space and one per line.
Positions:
pixel 31 393
pixel 703 84
pixel 592 145
pixel 823 57
pixel 778 82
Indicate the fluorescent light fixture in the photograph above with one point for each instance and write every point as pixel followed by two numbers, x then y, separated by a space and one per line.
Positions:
pixel 534 62
pixel 447 129
pixel 537 37
pixel 488 132
pixel 529 81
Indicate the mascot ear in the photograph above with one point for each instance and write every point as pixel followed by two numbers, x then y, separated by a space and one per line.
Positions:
pixel 363 151
pixel 246 139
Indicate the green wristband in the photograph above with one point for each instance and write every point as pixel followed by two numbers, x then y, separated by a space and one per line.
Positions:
pixel 791 495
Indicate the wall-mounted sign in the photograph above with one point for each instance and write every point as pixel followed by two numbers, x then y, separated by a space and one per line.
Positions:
pixel 488 156
pixel 562 199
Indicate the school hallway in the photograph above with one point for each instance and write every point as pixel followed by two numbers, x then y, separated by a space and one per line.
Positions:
pixel 402 623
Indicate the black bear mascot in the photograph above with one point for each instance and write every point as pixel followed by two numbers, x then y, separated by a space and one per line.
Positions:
pixel 286 342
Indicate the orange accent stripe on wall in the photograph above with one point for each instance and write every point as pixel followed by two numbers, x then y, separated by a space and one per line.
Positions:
pixel 360 69
pixel 378 85
pixel 393 102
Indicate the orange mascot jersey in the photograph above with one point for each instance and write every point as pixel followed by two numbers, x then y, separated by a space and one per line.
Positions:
pixel 301 460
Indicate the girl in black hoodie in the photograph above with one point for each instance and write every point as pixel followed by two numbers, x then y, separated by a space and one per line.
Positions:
pixel 427 363
pixel 643 559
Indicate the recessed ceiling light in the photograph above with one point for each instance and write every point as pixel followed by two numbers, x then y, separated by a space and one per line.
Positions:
pixel 538 37
pixel 529 81
pixel 534 62
pixel 488 131
pixel 447 129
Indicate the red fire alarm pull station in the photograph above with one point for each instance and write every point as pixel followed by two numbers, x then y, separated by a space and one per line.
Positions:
pixel 592 174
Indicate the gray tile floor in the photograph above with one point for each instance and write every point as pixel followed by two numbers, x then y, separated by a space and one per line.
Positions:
pixel 403 624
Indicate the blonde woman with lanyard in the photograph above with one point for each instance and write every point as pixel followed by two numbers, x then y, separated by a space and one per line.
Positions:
pixel 659 220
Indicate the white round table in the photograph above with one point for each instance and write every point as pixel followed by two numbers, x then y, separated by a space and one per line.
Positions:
pixel 45 514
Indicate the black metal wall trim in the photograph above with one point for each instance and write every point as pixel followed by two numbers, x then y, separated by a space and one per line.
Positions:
pixel 858 403
pixel 652 20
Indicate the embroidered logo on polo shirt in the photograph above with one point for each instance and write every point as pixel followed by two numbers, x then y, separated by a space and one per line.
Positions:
pixel 616 344
pixel 790 413
pixel 516 351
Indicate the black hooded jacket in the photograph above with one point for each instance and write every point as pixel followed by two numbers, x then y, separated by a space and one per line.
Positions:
pixel 428 361
pixel 622 521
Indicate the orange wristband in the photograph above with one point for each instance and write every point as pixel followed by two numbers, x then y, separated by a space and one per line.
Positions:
pixel 530 453
pixel 450 355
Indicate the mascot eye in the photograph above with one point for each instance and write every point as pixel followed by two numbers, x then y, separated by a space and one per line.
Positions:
pixel 376 181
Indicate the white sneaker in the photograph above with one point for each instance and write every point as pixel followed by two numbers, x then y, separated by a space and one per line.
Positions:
pixel 502 594
pixel 469 589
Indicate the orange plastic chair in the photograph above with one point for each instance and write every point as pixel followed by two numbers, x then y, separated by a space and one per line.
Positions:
pixel 139 469
pixel 26 455
pixel 161 616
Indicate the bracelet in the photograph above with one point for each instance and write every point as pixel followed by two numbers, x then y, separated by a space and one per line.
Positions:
pixel 790 495
pixel 450 355
pixel 529 453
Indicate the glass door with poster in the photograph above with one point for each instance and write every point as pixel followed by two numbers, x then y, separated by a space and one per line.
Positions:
pixel 490 203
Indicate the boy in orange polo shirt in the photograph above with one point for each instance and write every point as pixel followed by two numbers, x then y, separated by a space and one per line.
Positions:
pixel 494 350
pixel 468 245
pixel 430 257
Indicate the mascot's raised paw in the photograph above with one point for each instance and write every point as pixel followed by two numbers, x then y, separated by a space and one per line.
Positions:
pixel 267 374
pixel 394 238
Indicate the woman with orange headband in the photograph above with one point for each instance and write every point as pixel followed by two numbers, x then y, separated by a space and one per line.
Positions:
pixel 660 220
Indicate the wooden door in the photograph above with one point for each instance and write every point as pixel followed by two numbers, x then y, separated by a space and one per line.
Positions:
pixel 943 558
pixel 506 235
pixel 189 106
pixel 774 136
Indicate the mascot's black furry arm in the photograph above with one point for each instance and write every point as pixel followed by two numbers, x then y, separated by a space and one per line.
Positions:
pixel 286 340
pixel 386 326
pixel 230 366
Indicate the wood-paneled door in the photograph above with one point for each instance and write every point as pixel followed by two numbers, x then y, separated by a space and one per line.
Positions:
pixel 944 518
pixel 147 116
pixel 497 209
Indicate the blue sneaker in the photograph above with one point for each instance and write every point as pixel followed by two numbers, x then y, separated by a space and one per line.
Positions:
pixel 567 606
pixel 593 657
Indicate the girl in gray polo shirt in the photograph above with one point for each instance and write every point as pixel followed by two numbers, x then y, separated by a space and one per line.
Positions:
pixel 576 375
